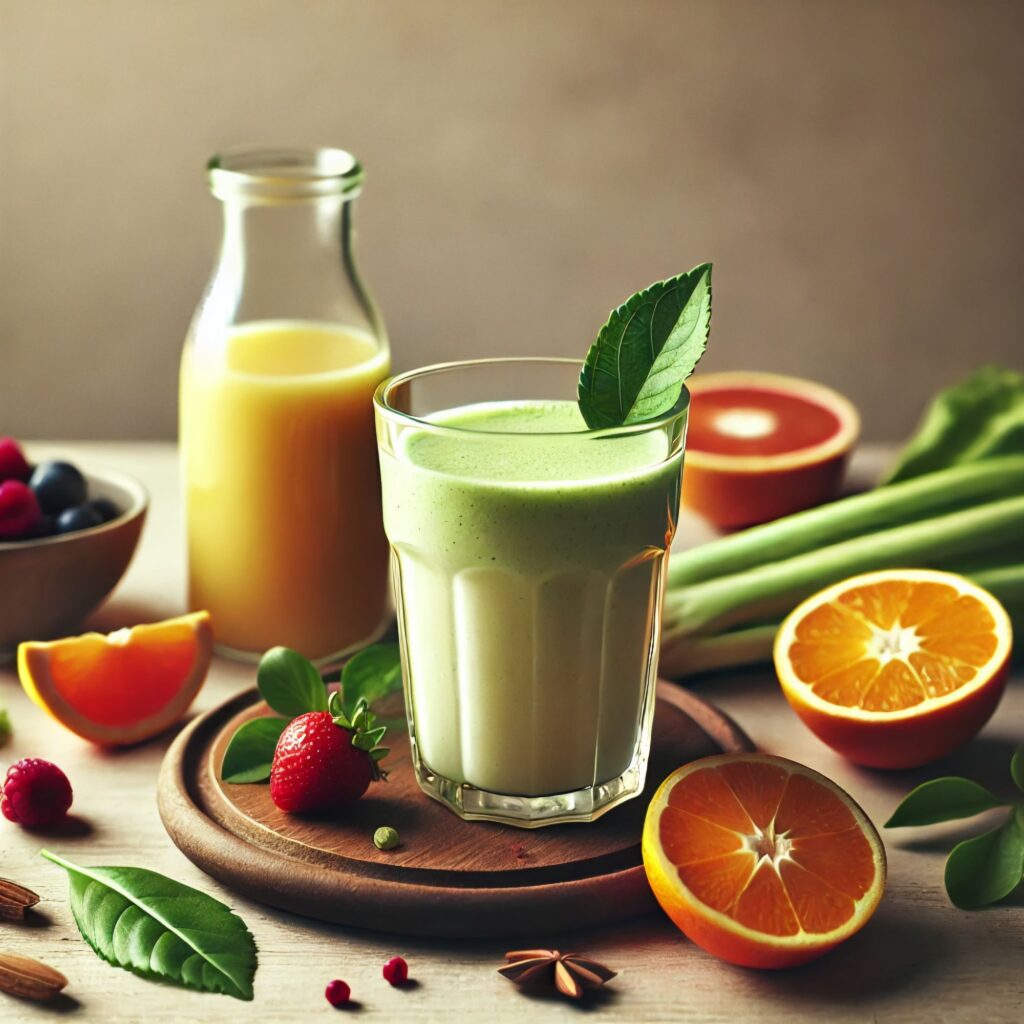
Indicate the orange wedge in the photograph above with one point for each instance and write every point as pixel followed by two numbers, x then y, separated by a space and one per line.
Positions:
pixel 893 669
pixel 124 687
pixel 761 861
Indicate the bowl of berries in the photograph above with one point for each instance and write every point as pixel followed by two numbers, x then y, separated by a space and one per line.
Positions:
pixel 67 535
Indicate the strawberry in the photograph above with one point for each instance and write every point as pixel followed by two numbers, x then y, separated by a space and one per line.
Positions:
pixel 325 760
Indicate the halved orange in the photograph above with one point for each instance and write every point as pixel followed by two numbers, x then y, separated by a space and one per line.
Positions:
pixel 123 687
pixel 761 861
pixel 895 668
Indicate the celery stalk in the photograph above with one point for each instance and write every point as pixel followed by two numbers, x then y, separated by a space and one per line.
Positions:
pixel 904 503
pixel 749 645
pixel 688 655
pixel 768 591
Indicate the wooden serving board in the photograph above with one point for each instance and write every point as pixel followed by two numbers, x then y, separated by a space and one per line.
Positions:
pixel 449 877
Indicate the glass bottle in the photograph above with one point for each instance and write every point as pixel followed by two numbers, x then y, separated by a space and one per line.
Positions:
pixel 279 459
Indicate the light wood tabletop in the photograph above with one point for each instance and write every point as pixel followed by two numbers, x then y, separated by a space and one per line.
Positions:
pixel 919 959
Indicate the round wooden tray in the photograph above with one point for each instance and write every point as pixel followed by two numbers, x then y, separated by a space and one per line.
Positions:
pixel 449 877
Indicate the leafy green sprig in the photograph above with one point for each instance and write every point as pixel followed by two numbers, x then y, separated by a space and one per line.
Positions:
pixel 292 686
pixel 635 369
pixel 988 867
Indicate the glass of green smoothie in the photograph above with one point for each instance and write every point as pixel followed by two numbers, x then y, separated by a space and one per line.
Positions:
pixel 528 557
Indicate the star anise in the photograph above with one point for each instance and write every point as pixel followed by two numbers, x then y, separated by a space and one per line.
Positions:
pixel 572 973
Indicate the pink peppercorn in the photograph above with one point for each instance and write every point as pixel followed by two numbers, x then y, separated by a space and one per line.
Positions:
pixel 396 971
pixel 337 993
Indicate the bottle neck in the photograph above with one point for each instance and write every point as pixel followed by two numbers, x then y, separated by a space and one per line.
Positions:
pixel 288 238
pixel 290 260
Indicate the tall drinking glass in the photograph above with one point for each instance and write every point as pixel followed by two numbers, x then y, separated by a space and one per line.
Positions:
pixel 528 557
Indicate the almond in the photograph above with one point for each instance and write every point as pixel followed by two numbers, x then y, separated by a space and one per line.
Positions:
pixel 15 899
pixel 27 978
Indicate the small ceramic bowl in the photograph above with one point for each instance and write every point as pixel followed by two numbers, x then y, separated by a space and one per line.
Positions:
pixel 761 445
pixel 47 586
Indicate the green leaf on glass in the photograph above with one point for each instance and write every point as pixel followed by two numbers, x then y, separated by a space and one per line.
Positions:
pixel 635 369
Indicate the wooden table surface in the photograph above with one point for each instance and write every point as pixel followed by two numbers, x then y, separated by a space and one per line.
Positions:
pixel 919 959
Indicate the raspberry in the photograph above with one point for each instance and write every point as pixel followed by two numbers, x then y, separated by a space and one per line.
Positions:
pixel 35 793
pixel 13 464
pixel 19 510
pixel 396 971
pixel 337 993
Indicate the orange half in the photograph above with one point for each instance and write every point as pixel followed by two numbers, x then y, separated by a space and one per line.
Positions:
pixel 123 687
pixel 760 860
pixel 895 668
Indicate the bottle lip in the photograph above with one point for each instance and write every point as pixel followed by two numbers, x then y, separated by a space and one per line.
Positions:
pixel 281 173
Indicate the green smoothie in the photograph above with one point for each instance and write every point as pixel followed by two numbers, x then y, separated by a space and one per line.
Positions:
pixel 529 556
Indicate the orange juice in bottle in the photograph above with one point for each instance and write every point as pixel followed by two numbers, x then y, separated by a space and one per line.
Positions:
pixel 279 461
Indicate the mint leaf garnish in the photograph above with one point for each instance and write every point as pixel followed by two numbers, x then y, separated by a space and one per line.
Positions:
pixel 251 750
pixel 290 683
pixel 5 728
pixel 370 675
pixel 635 369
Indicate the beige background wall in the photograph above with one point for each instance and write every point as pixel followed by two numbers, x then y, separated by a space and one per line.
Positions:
pixel 854 169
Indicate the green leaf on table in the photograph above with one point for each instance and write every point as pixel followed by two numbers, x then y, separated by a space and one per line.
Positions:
pixel 371 674
pixel 944 799
pixel 988 867
pixel 1017 768
pixel 290 683
pixel 635 369
pixel 5 728
pixel 251 750
pixel 974 419
pixel 160 929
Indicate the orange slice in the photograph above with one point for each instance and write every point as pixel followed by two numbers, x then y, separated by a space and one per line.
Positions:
pixel 124 687
pixel 761 861
pixel 893 669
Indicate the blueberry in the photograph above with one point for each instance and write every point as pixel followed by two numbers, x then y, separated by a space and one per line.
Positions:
pixel 46 526
pixel 80 518
pixel 105 509
pixel 57 486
